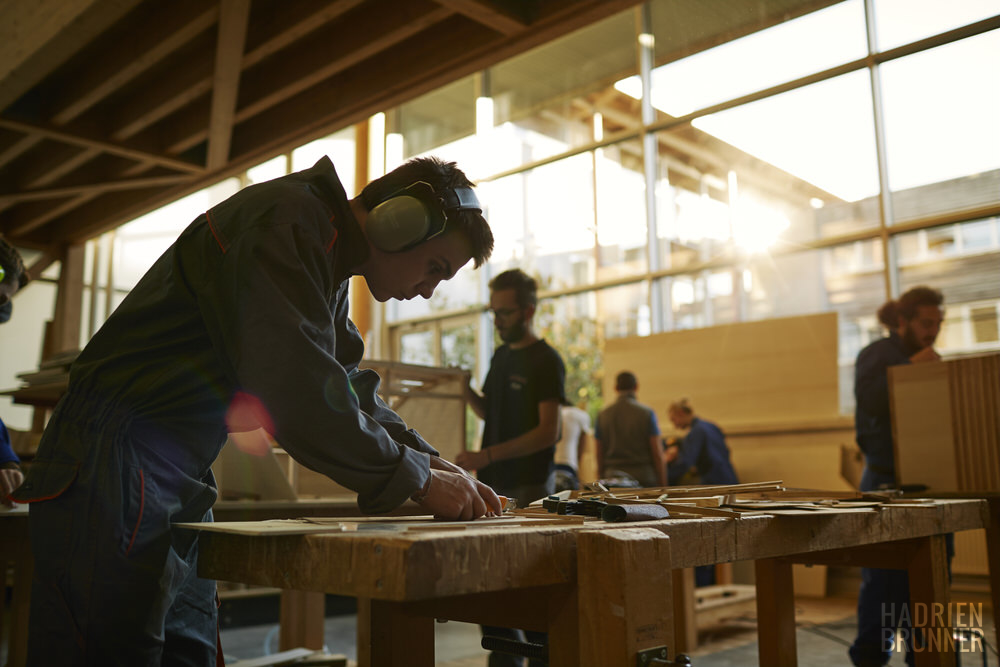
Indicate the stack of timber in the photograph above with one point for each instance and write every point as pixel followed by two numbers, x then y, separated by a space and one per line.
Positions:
pixel 47 384
pixel 736 500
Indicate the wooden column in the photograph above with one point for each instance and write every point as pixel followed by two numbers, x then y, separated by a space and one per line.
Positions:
pixel 69 301
pixel 625 600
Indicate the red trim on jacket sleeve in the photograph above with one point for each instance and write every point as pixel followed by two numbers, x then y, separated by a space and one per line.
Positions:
pixel 329 246
pixel 211 226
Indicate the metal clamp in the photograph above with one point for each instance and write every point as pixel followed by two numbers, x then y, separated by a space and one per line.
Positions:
pixel 656 656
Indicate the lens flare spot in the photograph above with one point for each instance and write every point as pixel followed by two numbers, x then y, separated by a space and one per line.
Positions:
pixel 249 424
pixel 335 397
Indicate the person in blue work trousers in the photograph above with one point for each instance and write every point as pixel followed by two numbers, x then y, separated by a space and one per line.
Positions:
pixel 12 278
pixel 702 457
pixel 241 324
pixel 914 322
pixel 703 449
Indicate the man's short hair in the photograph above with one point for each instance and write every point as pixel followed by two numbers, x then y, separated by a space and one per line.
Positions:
pixel 12 263
pixel 439 175
pixel 525 287
pixel 681 405
pixel 626 381
pixel 908 304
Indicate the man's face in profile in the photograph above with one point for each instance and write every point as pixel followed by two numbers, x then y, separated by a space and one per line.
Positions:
pixel 923 330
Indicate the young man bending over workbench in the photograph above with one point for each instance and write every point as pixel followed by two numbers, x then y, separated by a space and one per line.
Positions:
pixel 242 323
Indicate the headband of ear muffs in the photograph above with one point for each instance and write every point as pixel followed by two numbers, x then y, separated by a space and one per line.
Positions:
pixel 415 214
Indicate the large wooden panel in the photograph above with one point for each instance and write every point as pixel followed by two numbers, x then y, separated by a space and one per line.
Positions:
pixel 946 423
pixel 746 373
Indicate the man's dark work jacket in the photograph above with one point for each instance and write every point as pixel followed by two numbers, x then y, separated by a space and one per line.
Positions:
pixel 241 323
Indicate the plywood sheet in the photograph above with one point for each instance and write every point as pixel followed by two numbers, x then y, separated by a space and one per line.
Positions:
pixel 775 370
pixel 946 423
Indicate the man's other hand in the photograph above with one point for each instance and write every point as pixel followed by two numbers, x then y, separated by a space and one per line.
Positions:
pixel 10 479
pixel 926 354
pixel 438 463
pixel 453 495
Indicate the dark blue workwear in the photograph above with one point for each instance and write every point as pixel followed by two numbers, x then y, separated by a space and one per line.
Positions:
pixel 885 594
pixel 704 449
pixel 872 419
pixel 881 590
pixel 7 455
pixel 243 322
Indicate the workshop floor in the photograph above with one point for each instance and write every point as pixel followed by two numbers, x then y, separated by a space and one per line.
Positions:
pixel 825 629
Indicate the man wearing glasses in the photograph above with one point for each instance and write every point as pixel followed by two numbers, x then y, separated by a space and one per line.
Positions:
pixel 520 404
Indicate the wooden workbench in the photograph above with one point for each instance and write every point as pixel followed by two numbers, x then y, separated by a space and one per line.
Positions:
pixel 602 591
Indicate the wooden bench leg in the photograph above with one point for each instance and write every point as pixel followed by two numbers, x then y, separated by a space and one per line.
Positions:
pixel 775 613
pixel 302 616
pixel 388 636
pixel 685 621
pixel 625 592
pixel 929 587
pixel 993 559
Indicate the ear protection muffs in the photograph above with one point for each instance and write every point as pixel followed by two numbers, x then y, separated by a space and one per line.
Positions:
pixel 415 214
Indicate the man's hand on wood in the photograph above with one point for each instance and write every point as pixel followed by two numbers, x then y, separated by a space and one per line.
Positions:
pixel 453 495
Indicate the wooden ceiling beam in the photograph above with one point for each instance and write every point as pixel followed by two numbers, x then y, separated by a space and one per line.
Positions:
pixel 39 36
pixel 65 135
pixel 19 148
pixel 322 58
pixel 58 165
pixel 48 257
pixel 317 61
pixel 487 14
pixel 98 187
pixel 32 216
pixel 408 71
pixel 288 23
pixel 192 79
pixel 174 25
pixel 233 16
pixel 460 48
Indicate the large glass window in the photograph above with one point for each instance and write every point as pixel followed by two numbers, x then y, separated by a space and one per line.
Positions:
pixel 900 22
pixel 546 99
pixel 762 58
pixel 942 134
pixel 808 148
pixel 967 275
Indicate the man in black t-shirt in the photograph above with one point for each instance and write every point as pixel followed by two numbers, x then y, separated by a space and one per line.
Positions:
pixel 520 404
pixel 521 397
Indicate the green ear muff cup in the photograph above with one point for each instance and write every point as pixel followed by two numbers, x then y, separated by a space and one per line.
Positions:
pixel 397 223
